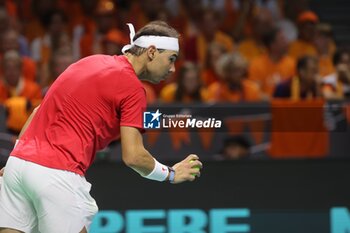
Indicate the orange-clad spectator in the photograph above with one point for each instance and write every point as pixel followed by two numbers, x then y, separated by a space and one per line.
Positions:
pixel 13 83
pixel 304 85
pixel 234 85
pixel 187 87
pixel 304 45
pixel 9 41
pixel 16 92
pixel 209 32
pixel 275 66
pixel 209 73
pixel 253 46
pixel 337 84
pixel 325 48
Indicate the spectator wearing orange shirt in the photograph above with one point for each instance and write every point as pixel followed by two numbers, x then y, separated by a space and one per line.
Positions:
pixel 209 32
pixel 234 85
pixel 13 83
pixel 304 45
pixel 273 67
pixel 187 87
pixel 17 93
pixel 303 86
pixel 253 46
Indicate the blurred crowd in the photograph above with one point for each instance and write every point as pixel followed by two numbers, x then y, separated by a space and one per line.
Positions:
pixel 231 50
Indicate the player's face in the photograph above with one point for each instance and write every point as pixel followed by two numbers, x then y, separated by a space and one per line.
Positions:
pixel 161 66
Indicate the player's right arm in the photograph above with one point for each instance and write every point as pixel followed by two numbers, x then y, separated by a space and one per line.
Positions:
pixel 138 158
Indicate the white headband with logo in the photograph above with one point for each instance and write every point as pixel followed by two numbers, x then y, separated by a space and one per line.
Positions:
pixel 160 42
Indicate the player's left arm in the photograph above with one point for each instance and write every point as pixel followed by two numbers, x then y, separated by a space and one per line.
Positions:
pixel 138 158
pixel 134 154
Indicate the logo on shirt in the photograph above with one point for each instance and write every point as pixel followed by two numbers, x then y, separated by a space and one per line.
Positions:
pixel 151 120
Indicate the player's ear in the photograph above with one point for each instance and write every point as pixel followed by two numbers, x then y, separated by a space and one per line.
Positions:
pixel 151 52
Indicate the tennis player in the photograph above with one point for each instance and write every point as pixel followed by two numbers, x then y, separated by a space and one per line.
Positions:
pixel 94 101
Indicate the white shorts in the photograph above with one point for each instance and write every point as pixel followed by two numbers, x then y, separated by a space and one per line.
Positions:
pixel 34 198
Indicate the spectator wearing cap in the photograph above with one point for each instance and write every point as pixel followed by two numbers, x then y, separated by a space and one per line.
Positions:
pixel 304 45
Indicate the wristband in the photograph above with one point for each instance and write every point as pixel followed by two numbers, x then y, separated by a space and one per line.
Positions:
pixel 160 172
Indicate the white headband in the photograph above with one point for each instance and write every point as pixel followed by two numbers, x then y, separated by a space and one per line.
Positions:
pixel 160 42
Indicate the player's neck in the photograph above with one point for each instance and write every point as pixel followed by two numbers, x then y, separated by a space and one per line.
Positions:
pixel 137 62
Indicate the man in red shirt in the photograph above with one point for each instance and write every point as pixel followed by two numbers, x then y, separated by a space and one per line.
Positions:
pixel 96 100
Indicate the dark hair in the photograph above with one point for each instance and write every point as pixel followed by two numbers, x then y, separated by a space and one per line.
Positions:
pixel 338 55
pixel 303 61
pixel 154 28
pixel 180 91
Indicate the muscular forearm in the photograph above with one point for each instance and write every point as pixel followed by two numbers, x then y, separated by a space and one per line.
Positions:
pixel 141 161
